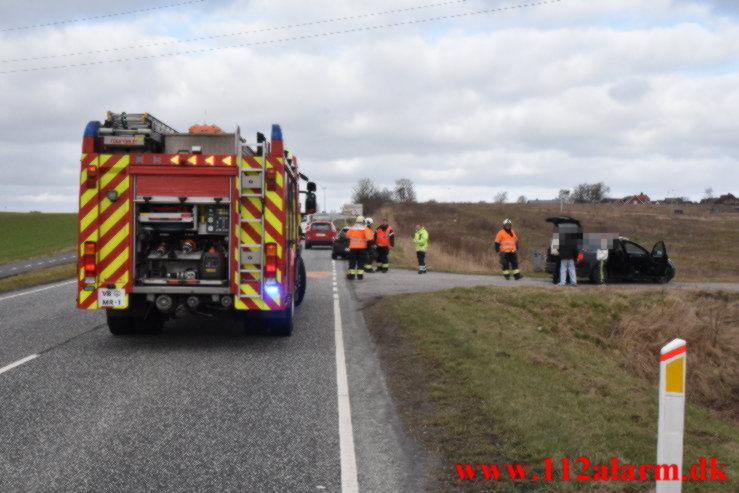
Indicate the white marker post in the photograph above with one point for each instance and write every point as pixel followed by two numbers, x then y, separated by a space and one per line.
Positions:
pixel 671 412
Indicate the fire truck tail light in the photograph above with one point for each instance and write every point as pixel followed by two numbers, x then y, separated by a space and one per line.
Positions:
pixel 270 264
pixel 271 177
pixel 89 262
pixel 92 175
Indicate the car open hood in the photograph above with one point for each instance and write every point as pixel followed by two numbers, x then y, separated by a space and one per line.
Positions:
pixel 563 220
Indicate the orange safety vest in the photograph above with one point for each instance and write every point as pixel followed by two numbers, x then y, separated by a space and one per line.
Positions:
pixel 383 237
pixel 359 236
pixel 507 240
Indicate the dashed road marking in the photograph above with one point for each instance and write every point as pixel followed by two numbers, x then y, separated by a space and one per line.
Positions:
pixel 18 363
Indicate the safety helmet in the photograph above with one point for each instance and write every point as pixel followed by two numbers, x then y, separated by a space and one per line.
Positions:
pixel 360 219
pixel 369 221
pixel 507 221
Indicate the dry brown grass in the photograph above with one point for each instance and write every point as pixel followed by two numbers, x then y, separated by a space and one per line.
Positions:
pixel 703 246
pixel 710 324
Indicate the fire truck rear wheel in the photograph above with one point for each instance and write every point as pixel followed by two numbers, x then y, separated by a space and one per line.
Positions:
pixel 301 283
pixel 281 323
pixel 120 325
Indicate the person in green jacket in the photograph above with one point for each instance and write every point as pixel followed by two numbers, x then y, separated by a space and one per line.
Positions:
pixel 421 239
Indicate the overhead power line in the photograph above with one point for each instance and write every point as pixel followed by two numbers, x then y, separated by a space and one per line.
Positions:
pixel 288 39
pixel 102 16
pixel 239 33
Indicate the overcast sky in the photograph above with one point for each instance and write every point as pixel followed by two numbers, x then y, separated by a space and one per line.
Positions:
pixel 464 98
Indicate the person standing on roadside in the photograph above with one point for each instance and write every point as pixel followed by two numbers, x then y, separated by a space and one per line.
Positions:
pixel 360 237
pixel 570 238
pixel 385 240
pixel 421 240
pixel 506 244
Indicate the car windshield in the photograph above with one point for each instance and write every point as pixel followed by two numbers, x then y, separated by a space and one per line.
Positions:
pixel 320 227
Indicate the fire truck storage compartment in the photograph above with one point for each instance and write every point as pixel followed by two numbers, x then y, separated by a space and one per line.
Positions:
pixel 204 143
pixel 182 244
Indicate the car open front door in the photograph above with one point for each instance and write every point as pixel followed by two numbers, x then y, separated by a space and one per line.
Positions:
pixel 659 259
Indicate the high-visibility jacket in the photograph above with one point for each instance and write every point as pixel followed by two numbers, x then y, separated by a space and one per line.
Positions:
pixel 421 239
pixel 385 237
pixel 359 235
pixel 508 241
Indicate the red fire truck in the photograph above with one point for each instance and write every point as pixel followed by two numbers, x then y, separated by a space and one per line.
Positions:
pixel 199 221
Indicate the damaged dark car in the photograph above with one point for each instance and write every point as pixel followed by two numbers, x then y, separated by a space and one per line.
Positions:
pixel 626 260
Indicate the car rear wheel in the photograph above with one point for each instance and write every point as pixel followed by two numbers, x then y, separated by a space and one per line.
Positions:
pixel 308 245
pixel 667 277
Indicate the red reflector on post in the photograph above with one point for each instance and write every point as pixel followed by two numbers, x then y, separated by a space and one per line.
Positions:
pixel 270 264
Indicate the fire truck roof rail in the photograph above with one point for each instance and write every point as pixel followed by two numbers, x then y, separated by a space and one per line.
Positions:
pixel 137 121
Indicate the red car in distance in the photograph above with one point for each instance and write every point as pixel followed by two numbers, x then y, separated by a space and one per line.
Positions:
pixel 320 233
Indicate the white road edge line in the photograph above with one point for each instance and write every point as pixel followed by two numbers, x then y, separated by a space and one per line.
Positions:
pixel 349 481
pixel 18 363
pixel 63 283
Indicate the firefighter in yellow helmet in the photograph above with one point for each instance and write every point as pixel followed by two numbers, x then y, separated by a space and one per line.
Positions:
pixel 360 238
pixel 506 244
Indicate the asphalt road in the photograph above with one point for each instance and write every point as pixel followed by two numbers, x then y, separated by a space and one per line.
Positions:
pixel 8 270
pixel 200 407
pixel 203 407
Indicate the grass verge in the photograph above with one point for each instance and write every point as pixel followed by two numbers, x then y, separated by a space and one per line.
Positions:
pixel 33 278
pixel 486 376
pixel 33 234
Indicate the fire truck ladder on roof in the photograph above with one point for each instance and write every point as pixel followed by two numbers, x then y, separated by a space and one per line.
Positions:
pixel 252 185
pixel 137 121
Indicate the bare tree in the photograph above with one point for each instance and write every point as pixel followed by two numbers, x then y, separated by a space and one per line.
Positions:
pixel 372 198
pixel 404 191
pixel 709 193
pixel 586 193
pixel 521 199
pixel 363 191
pixel 500 197
pixel 564 196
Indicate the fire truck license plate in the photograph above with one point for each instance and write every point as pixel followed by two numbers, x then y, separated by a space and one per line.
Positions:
pixel 111 297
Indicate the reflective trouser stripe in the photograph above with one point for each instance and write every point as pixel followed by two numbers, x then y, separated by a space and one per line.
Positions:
pixel 516 271
pixel 385 265
pixel 506 272
pixel 352 271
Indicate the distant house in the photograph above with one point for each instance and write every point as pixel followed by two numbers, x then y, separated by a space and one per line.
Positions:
pixel 728 199
pixel 609 200
pixel 641 198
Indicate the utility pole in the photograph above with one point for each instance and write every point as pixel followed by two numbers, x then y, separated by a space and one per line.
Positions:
pixel 324 199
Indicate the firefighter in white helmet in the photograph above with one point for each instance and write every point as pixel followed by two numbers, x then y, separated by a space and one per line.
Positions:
pixel 360 238
pixel 506 244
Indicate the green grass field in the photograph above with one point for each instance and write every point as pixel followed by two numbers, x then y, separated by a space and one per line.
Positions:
pixel 31 234
pixel 489 376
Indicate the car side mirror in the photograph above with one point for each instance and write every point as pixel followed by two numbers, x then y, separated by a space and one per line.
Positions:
pixel 310 201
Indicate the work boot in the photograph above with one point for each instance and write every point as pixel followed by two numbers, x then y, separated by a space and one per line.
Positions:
pixel 350 277
pixel 517 276
pixel 360 276
pixel 507 277
pixel 384 269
